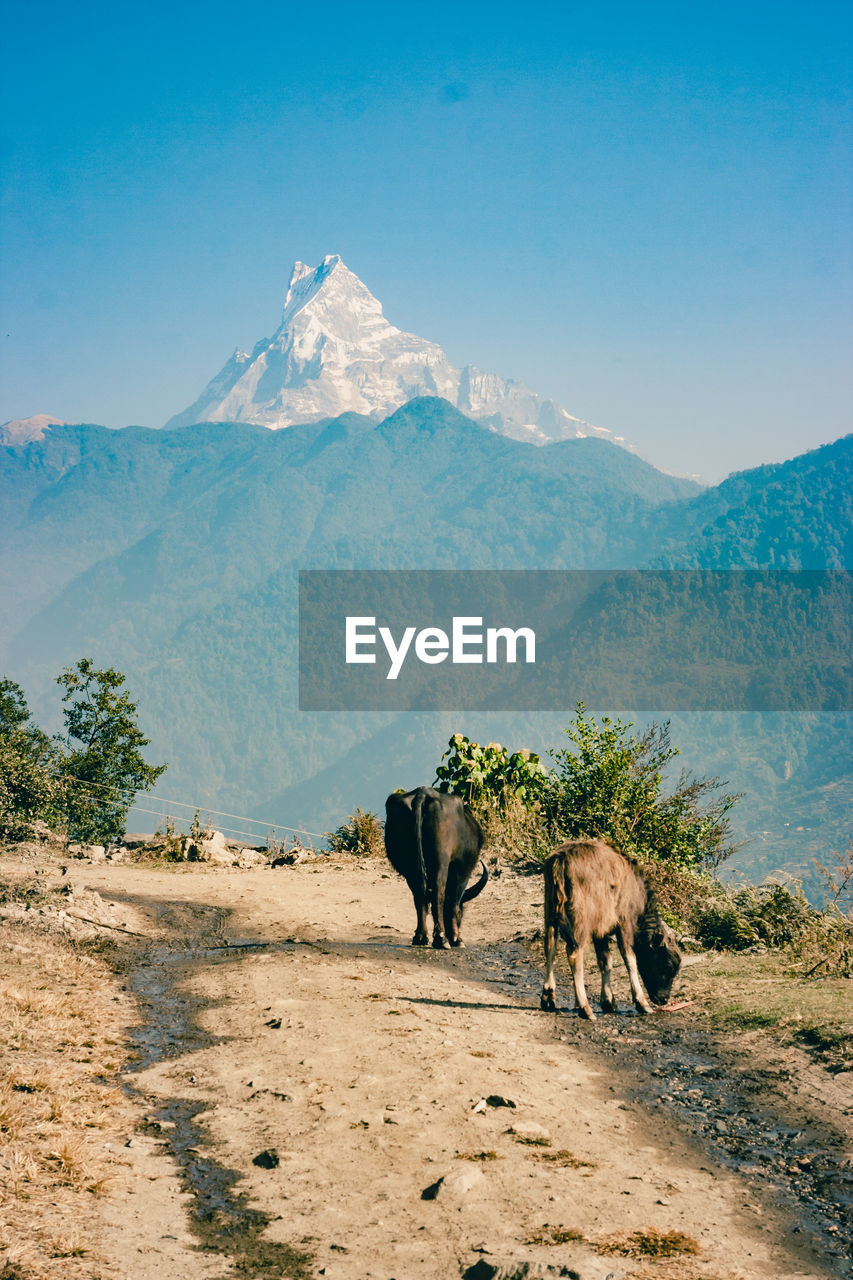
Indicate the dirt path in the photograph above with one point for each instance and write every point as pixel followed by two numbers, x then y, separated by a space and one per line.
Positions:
pixel 307 1075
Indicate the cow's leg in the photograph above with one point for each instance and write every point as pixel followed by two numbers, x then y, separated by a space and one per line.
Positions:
pixel 627 953
pixel 549 988
pixel 582 1004
pixel 421 938
pixel 453 924
pixel 439 940
pixel 453 908
pixel 602 955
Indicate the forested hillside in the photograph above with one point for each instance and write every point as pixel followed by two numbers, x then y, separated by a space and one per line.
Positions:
pixel 173 556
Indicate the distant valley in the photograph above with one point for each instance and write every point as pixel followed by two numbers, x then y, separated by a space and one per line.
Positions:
pixel 173 556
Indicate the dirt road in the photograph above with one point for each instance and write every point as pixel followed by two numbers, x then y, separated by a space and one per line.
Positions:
pixel 306 1076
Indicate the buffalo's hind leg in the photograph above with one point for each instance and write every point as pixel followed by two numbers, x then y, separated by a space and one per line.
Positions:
pixel 439 939
pixel 421 938
pixel 453 909
pixel 582 1005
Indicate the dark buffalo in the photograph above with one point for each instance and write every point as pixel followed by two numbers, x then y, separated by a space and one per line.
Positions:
pixel 434 843
pixel 593 892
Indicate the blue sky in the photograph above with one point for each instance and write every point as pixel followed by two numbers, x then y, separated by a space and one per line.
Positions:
pixel 642 210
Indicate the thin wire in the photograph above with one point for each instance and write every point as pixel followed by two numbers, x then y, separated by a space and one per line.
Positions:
pixel 185 804
pixel 156 813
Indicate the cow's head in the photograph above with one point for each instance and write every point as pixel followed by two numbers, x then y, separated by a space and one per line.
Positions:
pixel 658 959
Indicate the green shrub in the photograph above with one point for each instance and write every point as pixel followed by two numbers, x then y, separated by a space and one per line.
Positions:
pixel 612 786
pixel 361 835
pixel 490 777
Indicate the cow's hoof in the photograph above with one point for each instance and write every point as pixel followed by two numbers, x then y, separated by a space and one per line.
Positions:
pixel 584 1011
pixel 420 940
pixel 546 1002
pixel 440 943
pixel 609 1006
pixel 456 942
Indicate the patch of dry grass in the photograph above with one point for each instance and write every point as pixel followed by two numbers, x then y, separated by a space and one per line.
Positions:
pixel 61 1039
pixel 649 1244
pixel 556 1235
pixel 563 1159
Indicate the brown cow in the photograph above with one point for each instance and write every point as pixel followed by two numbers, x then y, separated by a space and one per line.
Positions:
pixel 591 893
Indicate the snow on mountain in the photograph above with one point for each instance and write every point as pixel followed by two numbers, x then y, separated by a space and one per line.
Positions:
pixel 335 352
pixel 25 430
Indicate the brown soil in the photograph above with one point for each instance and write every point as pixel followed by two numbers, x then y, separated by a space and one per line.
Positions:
pixel 303 1076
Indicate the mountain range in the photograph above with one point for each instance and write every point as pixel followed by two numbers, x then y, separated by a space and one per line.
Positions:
pixel 173 555
pixel 334 352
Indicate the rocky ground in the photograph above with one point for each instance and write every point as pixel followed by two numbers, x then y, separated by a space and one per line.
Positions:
pixel 306 1094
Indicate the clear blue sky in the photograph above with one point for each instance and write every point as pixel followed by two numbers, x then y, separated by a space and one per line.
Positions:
pixel 640 209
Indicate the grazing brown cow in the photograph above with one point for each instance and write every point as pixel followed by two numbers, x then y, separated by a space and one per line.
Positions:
pixel 591 893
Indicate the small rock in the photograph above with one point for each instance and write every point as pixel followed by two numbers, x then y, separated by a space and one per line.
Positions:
pixel 267 1159
pixel 461 1181
pixel 495 1100
pixel 211 847
pixel 275 1023
pixel 248 858
pixel 290 858
pixel 579 1266
pixel 457 1183
pixel 479 1108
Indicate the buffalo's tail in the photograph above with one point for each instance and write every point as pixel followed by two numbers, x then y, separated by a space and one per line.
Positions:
pixel 418 813
pixel 474 889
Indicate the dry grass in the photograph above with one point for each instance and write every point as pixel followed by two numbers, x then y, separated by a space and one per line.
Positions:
pixel 563 1159
pixel 649 1244
pixel 556 1235
pixel 61 1039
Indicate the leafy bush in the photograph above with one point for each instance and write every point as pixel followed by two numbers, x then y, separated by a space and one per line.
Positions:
pixel 612 785
pixel 490 777
pixel 361 835
pixel 772 915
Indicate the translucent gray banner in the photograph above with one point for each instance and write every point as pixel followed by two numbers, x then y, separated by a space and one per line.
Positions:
pixel 638 640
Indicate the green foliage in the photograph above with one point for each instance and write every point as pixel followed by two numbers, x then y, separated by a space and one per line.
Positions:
pixel 490 777
pixel 779 917
pixel 103 767
pixel 29 790
pixel 612 786
pixel 361 835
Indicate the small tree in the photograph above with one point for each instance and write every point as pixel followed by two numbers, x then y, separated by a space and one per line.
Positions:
pixel 612 786
pixel 29 789
pixel 104 767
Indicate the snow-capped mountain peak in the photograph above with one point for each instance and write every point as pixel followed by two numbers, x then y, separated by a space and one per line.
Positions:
pixel 334 352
